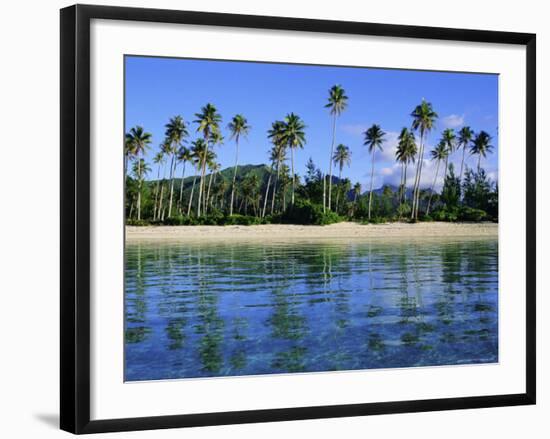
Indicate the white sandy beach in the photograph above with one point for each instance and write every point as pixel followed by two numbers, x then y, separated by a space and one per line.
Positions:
pixel 284 232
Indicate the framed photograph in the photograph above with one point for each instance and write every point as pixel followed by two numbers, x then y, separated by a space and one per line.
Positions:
pixel 268 218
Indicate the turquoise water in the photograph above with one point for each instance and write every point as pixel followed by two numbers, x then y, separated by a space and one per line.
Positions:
pixel 248 309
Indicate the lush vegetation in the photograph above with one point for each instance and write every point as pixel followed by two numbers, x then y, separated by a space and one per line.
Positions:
pixel 276 193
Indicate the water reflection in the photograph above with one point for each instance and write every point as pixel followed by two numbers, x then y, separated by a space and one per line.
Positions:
pixel 241 309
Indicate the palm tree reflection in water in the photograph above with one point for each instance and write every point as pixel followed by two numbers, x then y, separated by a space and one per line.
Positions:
pixel 205 310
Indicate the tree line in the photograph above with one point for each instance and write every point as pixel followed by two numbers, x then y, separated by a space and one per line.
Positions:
pixel 276 192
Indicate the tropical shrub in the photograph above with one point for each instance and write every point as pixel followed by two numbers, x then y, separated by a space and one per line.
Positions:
pixel 471 214
pixel 306 212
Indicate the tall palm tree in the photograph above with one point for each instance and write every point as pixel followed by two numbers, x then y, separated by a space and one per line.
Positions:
pixel 176 131
pixel 196 156
pixel 209 125
pixel 273 158
pixel 423 121
pixel 448 137
pixel 215 139
pixel 465 136
pixel 204 156
pixel 183 156
pixel 140 170
pixel 374 137
pixel 439 153
pixel 295 137
pixel 341 157
pixel 214 168
pixel 165 148
pixel 129 151
pixel 356 193
pixel 481 146
pixel 237 127
pixel 138 141
pixel 337 102
pixel 277 136
pixel 405 154
pixel 159 161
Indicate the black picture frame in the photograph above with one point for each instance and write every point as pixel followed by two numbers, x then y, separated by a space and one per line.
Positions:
pixel 75 217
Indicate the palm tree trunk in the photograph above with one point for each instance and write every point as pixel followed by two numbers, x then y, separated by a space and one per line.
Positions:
pixel 293 175
pixel 324 192
pixel 181 185
pixel 416 188
pixel 330 162
pixel 267 191
pixel 419 180
pixel 405 182
pixel 234 176
pixel 371 179
pixel 203 171
pixel 172 170
pixel 432 191
pixel 156 194
pixel 191 196
pixel 208 193
pixel 275 186
pixel 462 163
pixel 211 199
pixel 338 189
pixel 139 191
pixel 478 162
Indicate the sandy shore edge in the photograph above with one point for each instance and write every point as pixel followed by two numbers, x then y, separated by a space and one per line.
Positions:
pixel 286 232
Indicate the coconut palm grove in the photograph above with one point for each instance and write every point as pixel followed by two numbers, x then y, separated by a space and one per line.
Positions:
pixel 185 184
pixel 251 162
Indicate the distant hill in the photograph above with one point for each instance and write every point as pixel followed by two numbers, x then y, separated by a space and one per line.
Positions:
pixel 262 171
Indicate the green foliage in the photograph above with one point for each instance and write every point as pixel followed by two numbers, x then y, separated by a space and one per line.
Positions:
pixel 306 212
pixel 450 194
pixel 135 222
pixel 470 214
pixel 446 214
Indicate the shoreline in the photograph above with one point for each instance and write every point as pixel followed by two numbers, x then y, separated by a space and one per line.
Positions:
pixel 291 232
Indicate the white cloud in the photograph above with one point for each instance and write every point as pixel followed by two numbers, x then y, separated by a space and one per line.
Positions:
pixel 453 121
pixel 355 129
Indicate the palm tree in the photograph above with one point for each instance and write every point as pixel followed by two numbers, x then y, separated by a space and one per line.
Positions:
pixel 356 193
pixel 405 154
pixel 214 168
pixel 196 156
pixel 140 170
pixel 273 158
pixel 374 137
pixel 481 146
pixel 138 141
pixel 341 157
pixel 206 157
pixel 448 137
pixel 176 131
pixel 294 136
pixel 159 161
pixel 423 120
pixel 129 151
pixel 209 125
pixel 465 136
pixel 440 152
pixel 277 136
pixel 337 102
pixel 165 148
pixel 215 139
pixel 184 155
pixel 238 127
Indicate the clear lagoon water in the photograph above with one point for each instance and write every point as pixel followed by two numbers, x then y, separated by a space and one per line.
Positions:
pixel 211 310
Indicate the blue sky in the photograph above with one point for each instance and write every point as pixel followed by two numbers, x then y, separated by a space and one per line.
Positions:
pixel 160 88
